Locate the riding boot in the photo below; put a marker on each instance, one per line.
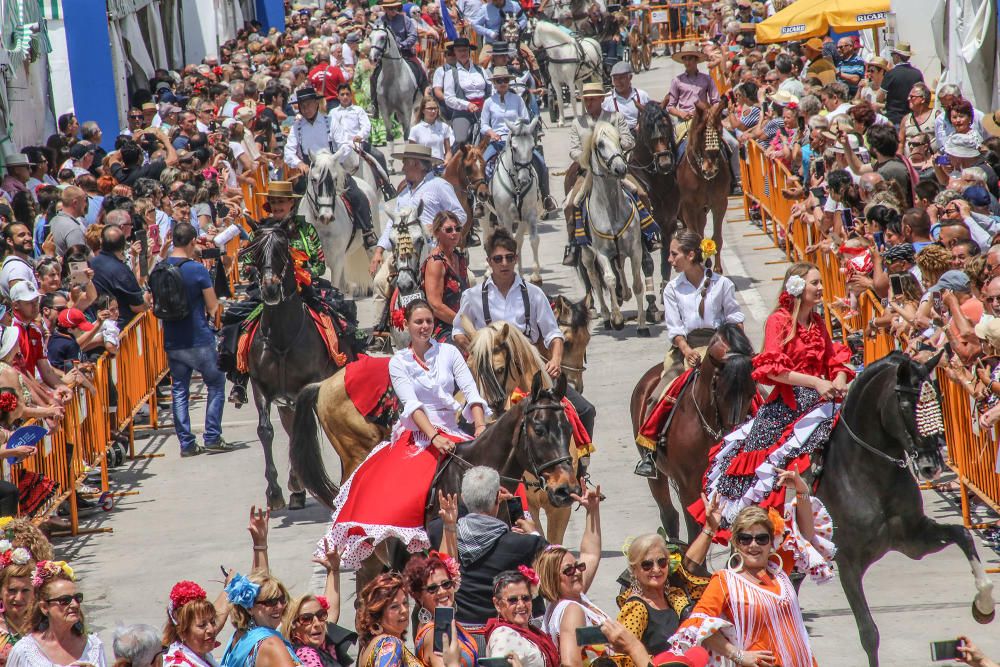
(647, 464)
(373, 87)
(238, 394)
(362, 212)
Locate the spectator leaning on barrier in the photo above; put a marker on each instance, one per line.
(113, 276)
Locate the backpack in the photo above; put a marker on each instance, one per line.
(170, 300)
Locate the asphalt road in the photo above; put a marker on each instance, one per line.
(189, 517)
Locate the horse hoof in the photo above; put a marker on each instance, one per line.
(297, 501)
(276, 502)
(643, 332)
(980, 617)
(607, 325)
(652, 314)
(536, 280)
(618, 326)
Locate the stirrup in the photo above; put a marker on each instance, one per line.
(647, 465)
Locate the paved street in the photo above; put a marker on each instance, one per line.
(190, 517)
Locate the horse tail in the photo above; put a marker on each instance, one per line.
(303, 448)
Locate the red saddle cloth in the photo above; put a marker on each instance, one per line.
(324, 325)
(367, 382)
(650, 430)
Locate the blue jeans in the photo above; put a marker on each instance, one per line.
(182, 364)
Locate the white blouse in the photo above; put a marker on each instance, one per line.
(432, 389)
(504, 641)
(681, 300)
(180, 655)
(552, 620)
(433, 136)
(28, 653)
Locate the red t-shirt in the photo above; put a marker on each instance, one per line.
(32, 344)
(326, 79)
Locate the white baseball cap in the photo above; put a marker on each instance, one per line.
(23, 291)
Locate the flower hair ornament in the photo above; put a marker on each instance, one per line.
(47, 569)
(529, 574)
(13, 556)
(8, 401)
(242, 592)
(324, 604)
(182, 593)
(795, 285)
(450, 566)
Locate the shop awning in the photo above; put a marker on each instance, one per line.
(814, 18)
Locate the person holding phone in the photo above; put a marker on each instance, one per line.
(511, 632)
(432, 581)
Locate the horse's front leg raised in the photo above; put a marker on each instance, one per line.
(612, 281)
(297, 494)
(265, 433)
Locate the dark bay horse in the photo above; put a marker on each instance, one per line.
(467, 174)
(703, 174)
(287, 351)
(715, 402)
(871, 492)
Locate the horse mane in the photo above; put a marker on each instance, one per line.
(650, 117)
(263, 243)
(705, 116)
(601, 128)
(547, 29)
(736, 373)
(524, 359)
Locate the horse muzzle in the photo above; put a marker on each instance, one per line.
(561, 485)
(270, 290)
(663, 161)
(929, 464)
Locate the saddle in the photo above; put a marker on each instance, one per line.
(367, 384)
(657, 421)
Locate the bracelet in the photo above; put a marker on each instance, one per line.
(257, 548)
(450, 529)
(708, 531)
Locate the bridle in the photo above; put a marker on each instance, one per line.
(655, 133)
(605, 163)
(261, 248)
(382, 50)
(515, 188)
(711, 143)
(318, 199)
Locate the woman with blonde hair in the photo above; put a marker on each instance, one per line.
(429, 130)
(259, 603)
(809, 373)
(307, 619)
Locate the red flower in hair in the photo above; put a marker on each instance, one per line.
(324, 604)
(786, 301)
(184, 592)
(529, 574)
(8, 401)
(398, 319)
(5, 558)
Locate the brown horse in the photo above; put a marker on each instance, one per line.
(716, 401)
(574, 322)
(466, 171)
(703, 174)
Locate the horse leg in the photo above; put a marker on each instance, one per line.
(659, 488)
(851, 575)
(610, 279)
(297, 493)
(598, 286)
(718, 217)
(639, 287)
(536, 275)
(556, 521)
(265, 433)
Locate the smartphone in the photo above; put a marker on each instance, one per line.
(942, 161)
(937, 302)
(515, 510)
(211, 253)
(948, 350)
(879, 239)
(945, 650)
(77, 272)
(443, 618)
(222, 210)
(590, 635)
(896, 283)
(820, 168)
(224, 573)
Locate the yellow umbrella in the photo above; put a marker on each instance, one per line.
(813, 18)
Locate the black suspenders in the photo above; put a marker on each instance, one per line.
(527, 307)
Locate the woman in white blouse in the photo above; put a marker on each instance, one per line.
(696, 301)
(385, 496)
(430, 131)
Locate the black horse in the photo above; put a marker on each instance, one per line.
(652, 164)
(287, 351)
(871, 492)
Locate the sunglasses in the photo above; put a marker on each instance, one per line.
(504, 259)
(445, 585)
(746, 539)
(137, 117)
(917, 144)
(647, 565)
(578, 566)
(308, 618)
(273, 602)
(514, 599)
(992, 299)
(65, 600)
(449, 230)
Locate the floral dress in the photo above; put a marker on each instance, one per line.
(455, 282)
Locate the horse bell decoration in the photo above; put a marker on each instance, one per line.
(929, 420)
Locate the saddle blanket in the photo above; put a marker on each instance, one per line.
(656, 420)
(323, 323)
(369, 388)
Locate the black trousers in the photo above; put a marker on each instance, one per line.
(584, 408)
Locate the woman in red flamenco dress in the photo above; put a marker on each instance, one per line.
(809, 373)
(385, 496)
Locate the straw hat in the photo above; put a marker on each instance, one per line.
(991, 123)
(903, 49)
(783, 98)
(279, 190)
(989, 330)
(593, 89)
(8, 341)
(689, 49)
(415, 151)
(880, 62)
(501, 73)
(390, 4)
(17, 160)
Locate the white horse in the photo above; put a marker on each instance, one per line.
(323, 208)
(614, 227)
(396, 92)
(515, 191)
(411, 245)
(572, 61)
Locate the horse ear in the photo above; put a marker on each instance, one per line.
(536, 385)
(483, 144)
(587, 302)
(932, 363)
(534, 124)
(560, 387)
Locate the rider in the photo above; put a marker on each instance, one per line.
(465, 89)
(310, 133)
(506, 296)
(604, 28)
(576, 226)
(351, 127)
(437, 80)
(505, 107)
(625, 99)
(405, 32)
(490, 22)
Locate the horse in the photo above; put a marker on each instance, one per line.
(574, 322)
(397, 92)
(571, 61)
(703, 174)
(466, 171)
(411, 246)
(515, 191)
(614, 228)
(286, 353)
(345, 253)
(717, 400)
(881, 434)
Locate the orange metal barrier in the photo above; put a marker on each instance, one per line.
(668, 32)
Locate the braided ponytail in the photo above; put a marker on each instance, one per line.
(692, 242)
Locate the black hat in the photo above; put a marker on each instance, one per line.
(501, 49)
(462, 42)
(80, 149)
(306, 93)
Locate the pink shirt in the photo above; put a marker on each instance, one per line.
(686, 90)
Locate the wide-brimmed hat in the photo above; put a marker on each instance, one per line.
(279, 189)
(415, 151)
(963, 145)
(245, 115)
(814, 43)
(462, 42)
(388, 4)
(17, 160)
(689, 49)
(783, 98)
(593, 89)
(306, 93)
(903, 49)
(8, 340)
(501, 49)
(501, 72)
(878, 61)
(991, 123)
(852, 139)
(988, 329)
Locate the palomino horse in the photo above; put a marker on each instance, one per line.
(287, 351)
(467, 174)
(324, 209)
(703, 174)
(716, 401)
(515, 191)
(572, 61)
(614, 228)
(397, 92)
(574, 322)
(503, 360)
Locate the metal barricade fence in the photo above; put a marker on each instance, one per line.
(671, 23)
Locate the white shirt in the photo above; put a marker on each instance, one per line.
(347, 123)
(15, 269)
(200, 125)
(793, 86)
(504, 641)
(306, 138)
(229, 108)
(27, 653)
(839, 111)
(346, 55)
(626, 105)
(497, 112)
(431, 389)
(509, 308)
(439, 74)
(433, 136)
(681, 300)
(437, 195)
(471, 9)
(237, 149)
(472, 81)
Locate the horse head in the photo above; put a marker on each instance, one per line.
(656, 134)
(918, 417)
(502, 360)
(728, 361)
(544, 440)
(410, 243)
(605, 157)
(473, 168)
(270, 253)
(321, 191)
(521, 144)
(705, 138)
(381, 43)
